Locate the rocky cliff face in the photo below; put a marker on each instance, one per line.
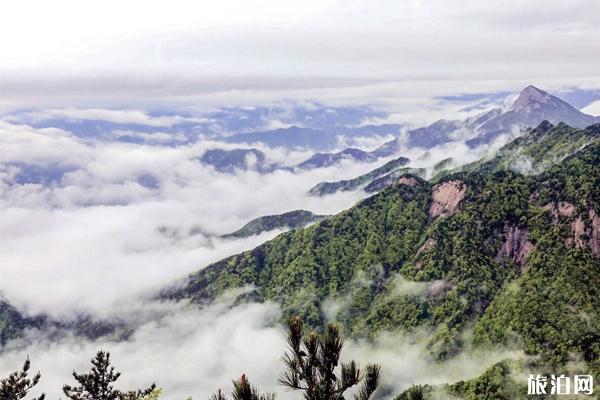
(585, 231)
(515, 247)
(561, 210)
(446, 198)
(407, 180)
(595, 233)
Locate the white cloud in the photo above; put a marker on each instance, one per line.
(593, 108)
(187, 352)
(405, 361)
(235, 52)
(95, 237)
(116, 116)
(100, 241)
(194, 352)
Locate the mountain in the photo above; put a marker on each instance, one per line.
(531, 107)
(12, 323)
(325, 188)
(295, 137)
(489, 251)
(538, 150)
(322, 160)
(291, 220)
(389, 179)
(230, 160)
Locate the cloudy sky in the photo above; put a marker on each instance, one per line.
(150, 53)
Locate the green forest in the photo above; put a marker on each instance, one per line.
(515, 259)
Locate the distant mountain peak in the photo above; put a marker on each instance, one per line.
(532, 98)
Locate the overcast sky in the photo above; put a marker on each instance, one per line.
(154, 53)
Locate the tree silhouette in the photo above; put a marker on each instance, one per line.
(97, 384)
(311, 364)
(243, 390)
(17, 385)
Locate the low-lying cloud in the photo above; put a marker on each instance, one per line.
(187, 352)
(100, 229)
(100, 226)
(193, 352)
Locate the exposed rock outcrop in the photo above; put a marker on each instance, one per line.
(446, 198)
(407, 180)
(515, 247)
(562, 209)
(594, 241)
(586, 234)
(578, 230)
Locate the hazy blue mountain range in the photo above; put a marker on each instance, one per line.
(531, 107)
(289, 220)
(175, 127)
(244, 159)
(315, 127)
(321, 139)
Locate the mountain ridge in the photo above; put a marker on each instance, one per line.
(531, 107)
(291, 220)
(466, 238)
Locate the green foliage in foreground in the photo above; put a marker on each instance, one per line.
(98, 383)
(18, 384)
(244, 390)
(311, 367)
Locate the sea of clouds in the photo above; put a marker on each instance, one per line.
(98, 227)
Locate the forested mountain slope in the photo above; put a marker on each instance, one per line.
(390, 168)
(512, 255)
(539, 149)
(289, 220)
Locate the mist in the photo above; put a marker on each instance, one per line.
(189, 351)
(124, 219)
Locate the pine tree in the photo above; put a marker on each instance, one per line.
(98, 383)
(243, 390)
(311, 365)
(17, 385)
